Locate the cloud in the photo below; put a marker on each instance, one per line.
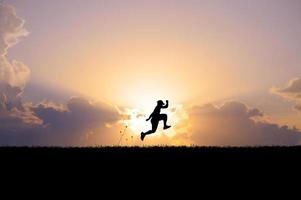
(17, 121)
(293, 87)
(233, 124)
(78, 123)
(291, 92)
(11, 106)
(77, 114)
(11, 30)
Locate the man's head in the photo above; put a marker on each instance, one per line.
(160, 103)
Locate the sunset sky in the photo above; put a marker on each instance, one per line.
(77, 72)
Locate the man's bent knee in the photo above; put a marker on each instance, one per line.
(163, 116)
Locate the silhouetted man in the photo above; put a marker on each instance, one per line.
(156, 117)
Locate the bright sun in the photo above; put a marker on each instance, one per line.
(135, 120)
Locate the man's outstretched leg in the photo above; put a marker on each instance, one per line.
(154, 128)
(164, 118)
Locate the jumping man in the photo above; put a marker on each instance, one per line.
(156, 117)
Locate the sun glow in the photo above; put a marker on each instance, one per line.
(135, 120)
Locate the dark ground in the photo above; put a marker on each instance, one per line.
(208, 166)
(164, 155)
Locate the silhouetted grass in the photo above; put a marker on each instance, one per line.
(141, 162)
(149, 154)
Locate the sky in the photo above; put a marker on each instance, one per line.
(89, 72)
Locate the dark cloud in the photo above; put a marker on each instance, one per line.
(78, 114)
(17, 121)
(234, 124)
(79, 122)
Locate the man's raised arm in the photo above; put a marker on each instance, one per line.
(166, 105)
